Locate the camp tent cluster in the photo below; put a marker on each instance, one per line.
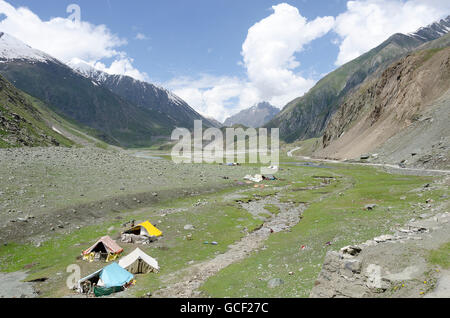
(117, 276)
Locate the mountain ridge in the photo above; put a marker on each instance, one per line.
(307, 116)
(110, 117)
(143, 94)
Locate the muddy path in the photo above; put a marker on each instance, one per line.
(13, 286)
(185, 283)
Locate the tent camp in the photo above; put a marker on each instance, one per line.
(105, 248)
(145, 228)
(111, 279)
(139, 262)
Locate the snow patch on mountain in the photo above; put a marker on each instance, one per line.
(87, 70)
(433, 31)
(14, 49)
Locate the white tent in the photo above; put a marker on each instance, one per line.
(139, 262)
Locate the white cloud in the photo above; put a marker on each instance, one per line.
(269, 58)
(270, 47)
(210, 95)
(141, 37)
(122, 66)
(65, 38)
(367, 23)
(269, 51)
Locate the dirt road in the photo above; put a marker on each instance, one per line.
(382, 165)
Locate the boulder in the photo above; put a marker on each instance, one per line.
(137, 239)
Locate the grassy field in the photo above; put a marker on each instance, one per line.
(441, 256)
(339, 219)
(335, 217)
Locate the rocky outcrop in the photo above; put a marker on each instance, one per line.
(386, 266)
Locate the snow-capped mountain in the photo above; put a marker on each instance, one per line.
(143, 94)
(255, 116)
(14, 49)
(117, 109)
(433, 31)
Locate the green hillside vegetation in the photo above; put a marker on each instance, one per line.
(22, 123)
(70, 95)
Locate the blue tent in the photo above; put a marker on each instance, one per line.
(115, 276)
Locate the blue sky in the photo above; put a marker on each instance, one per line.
(188, 37)
(219, 55)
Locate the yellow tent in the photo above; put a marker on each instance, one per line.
(145, 228)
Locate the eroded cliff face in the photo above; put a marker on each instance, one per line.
(386, 105)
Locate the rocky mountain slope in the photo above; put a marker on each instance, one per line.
(144, 95)
(110, 117)
(254, 117)
(21, 123)
(384, 106)
(308, 116)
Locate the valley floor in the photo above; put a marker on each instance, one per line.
(272, 240)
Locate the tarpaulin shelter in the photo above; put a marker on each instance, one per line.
(115, 275)
(106, 281)
(139, 262)
(145, 228)
(106, 247)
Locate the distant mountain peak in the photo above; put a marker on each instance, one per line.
(12, 48)
(255, 116)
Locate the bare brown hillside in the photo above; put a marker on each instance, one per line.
(383, 107)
